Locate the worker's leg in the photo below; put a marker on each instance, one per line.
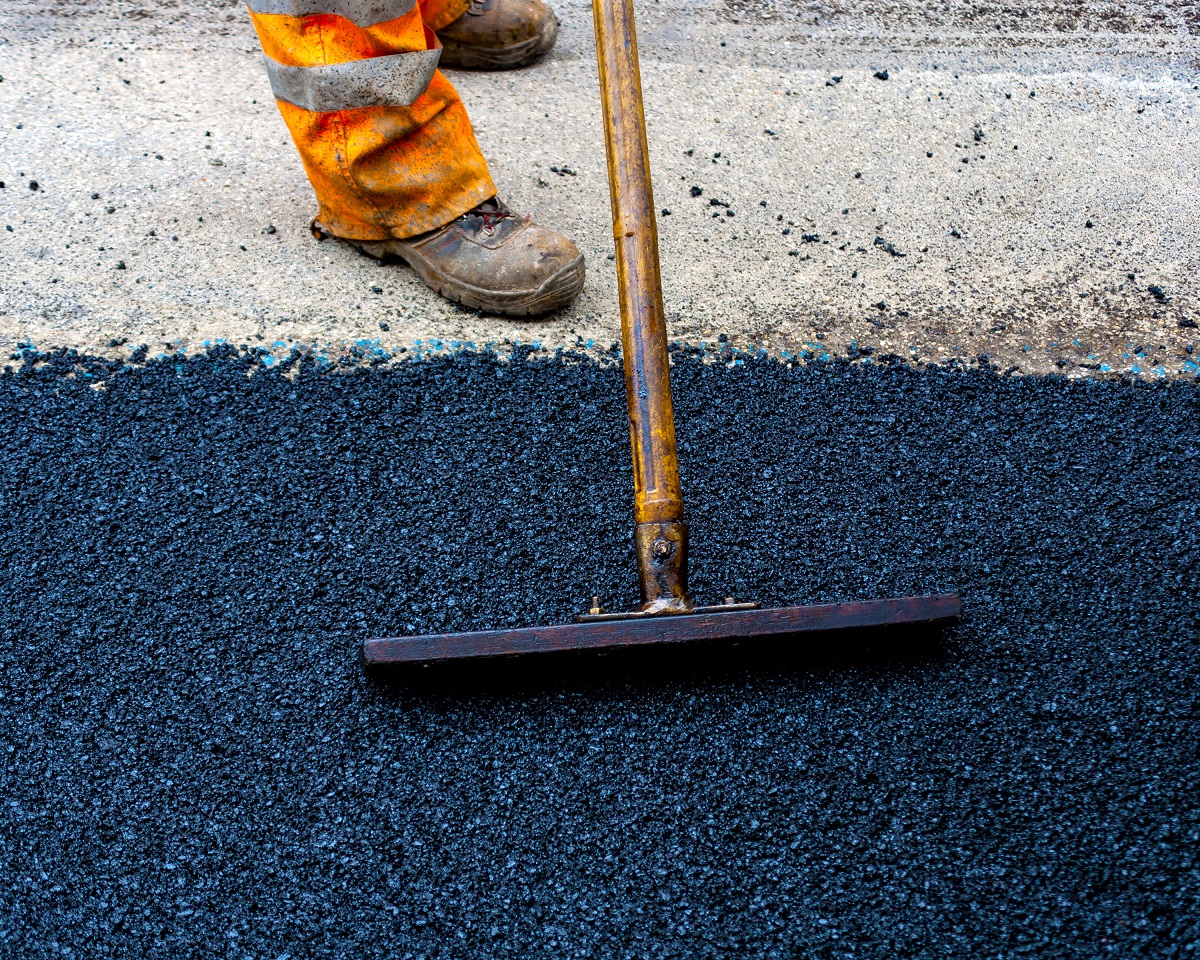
(385, 140)
(391, 155)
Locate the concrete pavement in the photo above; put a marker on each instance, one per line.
(1024, 187)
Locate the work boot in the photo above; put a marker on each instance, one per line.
(493, 260)
(498, 35)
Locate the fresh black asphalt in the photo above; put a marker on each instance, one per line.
(194, 765)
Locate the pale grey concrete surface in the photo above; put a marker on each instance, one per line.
(1064, 113)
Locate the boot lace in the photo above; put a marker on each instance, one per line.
(491, 212)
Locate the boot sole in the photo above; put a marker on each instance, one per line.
(554, 293)
(459, 56)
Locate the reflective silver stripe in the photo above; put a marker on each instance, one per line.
(362, 13)
(392, 81)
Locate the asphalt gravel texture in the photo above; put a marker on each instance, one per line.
(194, 764)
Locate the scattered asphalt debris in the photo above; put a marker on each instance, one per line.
(714, 202)
(955, 233)
(1089, 224)
(1187, 322)
(1158, 293)
(666, 212)
(120, 264)
(880, 74)
(810, 238)
(833, 81)
(888, 246)
(563, 171)
(978, 134)
(194, 764)
(384, 326)
(696, 191)
(33, 185)
(270, 228)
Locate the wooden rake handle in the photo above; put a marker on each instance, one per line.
(660, 532)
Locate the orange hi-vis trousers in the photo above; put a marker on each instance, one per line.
(384, 137)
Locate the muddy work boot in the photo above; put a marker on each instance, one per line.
(498, 35)
(493, 260)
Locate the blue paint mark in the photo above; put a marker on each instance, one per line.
(1191, 366)
(1105, 368)
(1026, 349)
(1077, 343)
(1135, 369)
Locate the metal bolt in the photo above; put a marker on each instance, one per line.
(660, 547)
(596, 608)
(729, 601)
